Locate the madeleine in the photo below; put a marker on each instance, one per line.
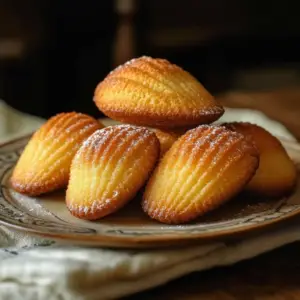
(109, 169)
(44, 165)
(166, 139)
(202, 170)
(154, 92)
(277, 173)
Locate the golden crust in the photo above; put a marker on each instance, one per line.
(44, 165)
(277, 173)
(203, 169)
(154, 92)
(109, 169)
(166, 139)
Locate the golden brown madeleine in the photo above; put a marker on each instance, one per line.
(277, 173)
(109, 169)
(202, 170)
(153, 92)
(166, 139)
(44, 165)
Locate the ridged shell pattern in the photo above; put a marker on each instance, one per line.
(203, 169)
(155, 92)
(44, 165)
(109, 169)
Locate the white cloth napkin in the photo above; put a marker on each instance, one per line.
(33, 268)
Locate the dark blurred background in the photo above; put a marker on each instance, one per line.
(53, 53)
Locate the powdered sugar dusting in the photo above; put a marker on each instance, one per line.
(155, 95)
(110, 166)
(102, 135)
(180, 191)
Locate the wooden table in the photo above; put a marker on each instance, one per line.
(274, 275)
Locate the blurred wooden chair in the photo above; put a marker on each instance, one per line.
(124, 47)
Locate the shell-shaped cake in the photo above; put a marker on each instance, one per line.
(277, 173)
(154, 92)
(109, 169)
(166, 139)
(203, 169)
(44, 165)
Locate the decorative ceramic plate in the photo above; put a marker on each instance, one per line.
(48, 216)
